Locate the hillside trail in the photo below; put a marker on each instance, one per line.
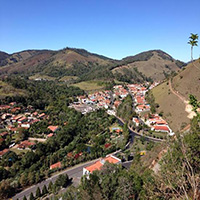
(196, 66)
(188, 107)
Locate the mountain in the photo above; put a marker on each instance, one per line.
(173, 105)
(154, 64)
(65, 62)
(8, 59)
(83, 65)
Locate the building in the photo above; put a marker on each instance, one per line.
(56, 165)
(99, 164)
(53, 128)
(25, 144)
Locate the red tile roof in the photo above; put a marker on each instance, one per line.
(98, 165)
(50, 135)
(53, 128)
(25, 144)
(4, 152)
(4, 134)
(56, 165)
(161, 128)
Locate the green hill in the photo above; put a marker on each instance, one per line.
(71, 62)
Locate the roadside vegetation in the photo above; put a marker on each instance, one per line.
(177, 177)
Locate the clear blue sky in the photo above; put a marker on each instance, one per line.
(114, 28)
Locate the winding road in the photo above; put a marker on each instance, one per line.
(75, 172)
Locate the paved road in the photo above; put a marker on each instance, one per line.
(133, 133)
(75, 172)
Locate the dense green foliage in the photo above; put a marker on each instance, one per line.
(194, 102)
(33, 166)
(41, 93)
(125, 109)
(151, 100)
(76, 131)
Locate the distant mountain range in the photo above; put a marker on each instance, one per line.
(83, 65)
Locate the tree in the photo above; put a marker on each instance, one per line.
(44, 190)
(50, 186)
(193, 41)
(31, 196)
(180, 172)
(38, 193)
(62, 180)
(24, 198)
(6, 190)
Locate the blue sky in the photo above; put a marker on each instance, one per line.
(113, 28)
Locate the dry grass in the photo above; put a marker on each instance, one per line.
(173, 108)
(153, 68)
(188, 81)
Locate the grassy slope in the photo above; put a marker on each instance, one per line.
(89, 85)
(153, 67)
(173, 108)
(8, 90)
(188, 81)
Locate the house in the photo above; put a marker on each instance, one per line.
(116, 104)
(22, 119)
(53, 128)
(136, 121)
(50, 135)
(99, 164)
(41, 116)
(56, 165)
(3, 134)
(4, 107)
(4, 152)
(1, 140)
(25, 144)
(25, 125)
(141, 108)
(164, 129)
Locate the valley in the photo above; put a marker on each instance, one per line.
(63, 112)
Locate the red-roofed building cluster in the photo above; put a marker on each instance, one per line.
(15, 117)
(99, 164)
(158, 124)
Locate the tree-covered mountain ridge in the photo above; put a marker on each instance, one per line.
(79, 63)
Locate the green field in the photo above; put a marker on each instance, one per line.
(8, 90)
(68, 78)
(89, 86)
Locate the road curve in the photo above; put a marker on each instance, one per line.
(72, 173)
(133, 133)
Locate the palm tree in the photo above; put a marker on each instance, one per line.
(193, 41)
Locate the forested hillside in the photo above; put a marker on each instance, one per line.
(83, 65)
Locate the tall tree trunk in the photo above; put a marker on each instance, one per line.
(192, 54)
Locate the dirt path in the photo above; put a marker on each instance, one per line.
(37, 139)
(188, 107)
